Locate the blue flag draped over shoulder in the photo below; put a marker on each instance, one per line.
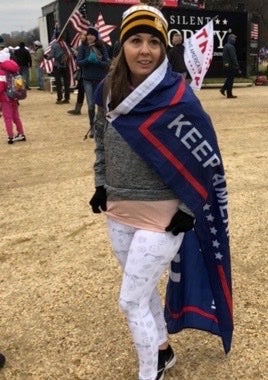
(164, 122)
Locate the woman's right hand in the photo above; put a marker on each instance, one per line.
(98, 201)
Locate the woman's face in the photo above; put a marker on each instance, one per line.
(142, 52)
(91, 39)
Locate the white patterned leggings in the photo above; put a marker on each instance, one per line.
(143, 256)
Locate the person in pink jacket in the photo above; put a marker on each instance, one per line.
(10, 107)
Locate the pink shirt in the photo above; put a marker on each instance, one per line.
(148, 215)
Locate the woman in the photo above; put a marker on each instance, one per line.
(140, 183)
(80, 85)
(93, 59)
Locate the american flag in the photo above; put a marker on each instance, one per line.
(254, 31)
(47, 64)
(104, 29)
(198, 184)
(79, 23)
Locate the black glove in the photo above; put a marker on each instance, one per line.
(98, 201)
(180, 222)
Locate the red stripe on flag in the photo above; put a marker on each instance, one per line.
(104, 30)
(47, 64)
(144, 129)
(192, 309)
(76, 41)
(254, 33)
(79, 23)
(226, 289)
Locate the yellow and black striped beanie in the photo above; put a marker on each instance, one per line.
(143, 19)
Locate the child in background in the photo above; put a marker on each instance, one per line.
(10, 108)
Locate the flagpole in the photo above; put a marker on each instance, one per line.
(78, 5)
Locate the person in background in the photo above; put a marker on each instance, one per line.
(94, 61)
(176, 55)
(61, 54)
(37, 58)
(80, 84)
(23, 58)
(10, 108)
(230, 66)
(140, 178)
(2, 45)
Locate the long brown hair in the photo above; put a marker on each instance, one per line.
(119, 77)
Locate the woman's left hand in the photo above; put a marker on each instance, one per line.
(180, 222)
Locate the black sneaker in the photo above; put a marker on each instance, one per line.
(65, 101)
(10, 140)
(222, 91)
(19, 137)
(59, 101)
(166, 360)
(2, 360)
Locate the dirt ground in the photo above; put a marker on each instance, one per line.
(59, 283)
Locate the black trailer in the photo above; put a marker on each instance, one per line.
(187, 21)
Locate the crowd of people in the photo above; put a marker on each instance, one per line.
(92, 59)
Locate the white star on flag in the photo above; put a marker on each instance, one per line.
(213, 231)
(218, 255)
(215, 243)
(104, 29)
(210, 218)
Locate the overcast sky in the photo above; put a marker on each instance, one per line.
(20, 15)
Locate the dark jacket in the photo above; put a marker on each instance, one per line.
(23, 57)
(60, 54)
(229, 56)
(176, 58)
(93, 71)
